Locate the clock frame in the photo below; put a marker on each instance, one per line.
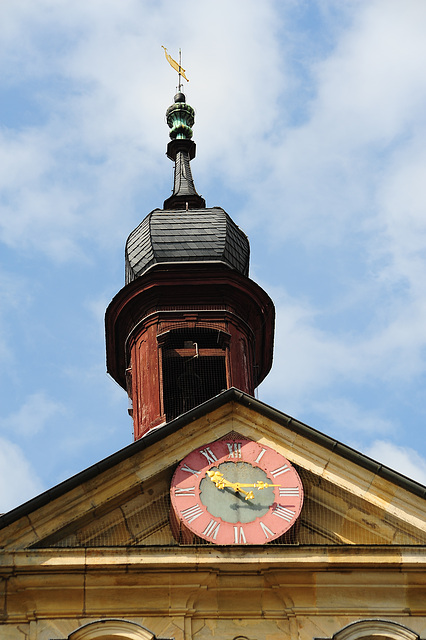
(234, 491)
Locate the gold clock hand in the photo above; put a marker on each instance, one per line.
(249, 495)
(221, 482)
(264, 485)
(217, 478)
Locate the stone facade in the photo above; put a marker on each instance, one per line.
(94, 558)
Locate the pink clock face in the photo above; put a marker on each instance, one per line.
(236, 492)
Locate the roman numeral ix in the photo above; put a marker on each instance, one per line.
(185, 491)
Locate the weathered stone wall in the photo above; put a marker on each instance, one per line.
(205, 593)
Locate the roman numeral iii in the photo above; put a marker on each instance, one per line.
(288, 491)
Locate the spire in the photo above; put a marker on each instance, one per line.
(189, 323)
(181, 149)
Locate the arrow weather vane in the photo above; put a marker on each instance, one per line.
(176, 66)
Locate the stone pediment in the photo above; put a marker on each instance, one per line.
(124, 500)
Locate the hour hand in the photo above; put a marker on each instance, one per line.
(217, 478)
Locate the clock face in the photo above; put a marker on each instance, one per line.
(236, 492)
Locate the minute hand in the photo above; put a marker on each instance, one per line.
(221, 483)
(257, 485)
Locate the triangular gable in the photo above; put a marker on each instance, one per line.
(124, 501)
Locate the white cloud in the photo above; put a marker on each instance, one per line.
(369, 98)
(18, 480)
(33, 415)
(344, 417)
(67, 173)
(309, 360)
(305, 357)
(96, 144)
(401, 200)
(403, 459)
(373, 80)
(102, 99)
(15, 295)
(350, 177)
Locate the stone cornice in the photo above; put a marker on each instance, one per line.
(306, 559)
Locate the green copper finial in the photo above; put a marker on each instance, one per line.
(181, 149)
(180, 118)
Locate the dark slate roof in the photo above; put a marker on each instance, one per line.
(196, 235)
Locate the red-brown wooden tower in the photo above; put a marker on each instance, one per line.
(189, 323)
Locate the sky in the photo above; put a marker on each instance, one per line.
(311, 133)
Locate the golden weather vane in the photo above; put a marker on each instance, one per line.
(176, 65)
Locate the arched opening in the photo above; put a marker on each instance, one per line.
(375, 630)
(111, 629)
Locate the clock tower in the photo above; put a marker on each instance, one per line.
(189, 322)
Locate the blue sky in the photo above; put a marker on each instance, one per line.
(311, 133)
